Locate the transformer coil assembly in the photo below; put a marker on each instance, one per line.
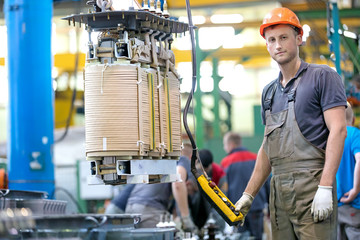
(132, 96)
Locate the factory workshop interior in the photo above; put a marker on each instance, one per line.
(103, 101)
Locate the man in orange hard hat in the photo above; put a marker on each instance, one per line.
(304, 115)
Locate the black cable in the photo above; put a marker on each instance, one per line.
(73, 97)
(80, 210)
(187, 105)
(68, 120)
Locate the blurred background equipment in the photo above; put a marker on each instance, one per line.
(42, 143)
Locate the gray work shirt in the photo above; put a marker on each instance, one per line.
(320, 89)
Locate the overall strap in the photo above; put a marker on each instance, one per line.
(292, 93)
(269, 96)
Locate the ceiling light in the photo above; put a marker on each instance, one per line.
(306, 28)
(228, 18)
(237, 41)
(350, 34)
(195, 19)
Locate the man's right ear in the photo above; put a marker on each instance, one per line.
(299, 39)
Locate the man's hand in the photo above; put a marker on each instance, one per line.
(243, 205)
(349, 196)
(322, 205)
(187, 224)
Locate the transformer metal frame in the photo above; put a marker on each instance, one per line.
(123, 35)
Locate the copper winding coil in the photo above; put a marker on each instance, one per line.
(118, 111)
(111, 108)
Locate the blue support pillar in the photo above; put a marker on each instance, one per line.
(334, 23)
(30, 125)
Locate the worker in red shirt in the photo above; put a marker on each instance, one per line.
(238, 165)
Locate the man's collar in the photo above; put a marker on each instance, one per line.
(238, 149)
(303, 67)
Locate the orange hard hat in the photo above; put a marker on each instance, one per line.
(280, 16)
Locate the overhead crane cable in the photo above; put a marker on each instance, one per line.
(208, 188)
(195, 154)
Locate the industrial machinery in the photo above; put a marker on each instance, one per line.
(132, 95)
(37, 202)
(132, 100)
(23, 224)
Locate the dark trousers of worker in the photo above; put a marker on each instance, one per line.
(254, 223)
(348, 223)
(297, 167)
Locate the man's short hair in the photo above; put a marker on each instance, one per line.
(296, 29)
(206, 157)
(233, 137)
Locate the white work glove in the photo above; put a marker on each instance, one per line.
(243, 205)
(187, 224)
(322, 205)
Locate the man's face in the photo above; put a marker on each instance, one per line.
(282, 43)
(226, 146)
